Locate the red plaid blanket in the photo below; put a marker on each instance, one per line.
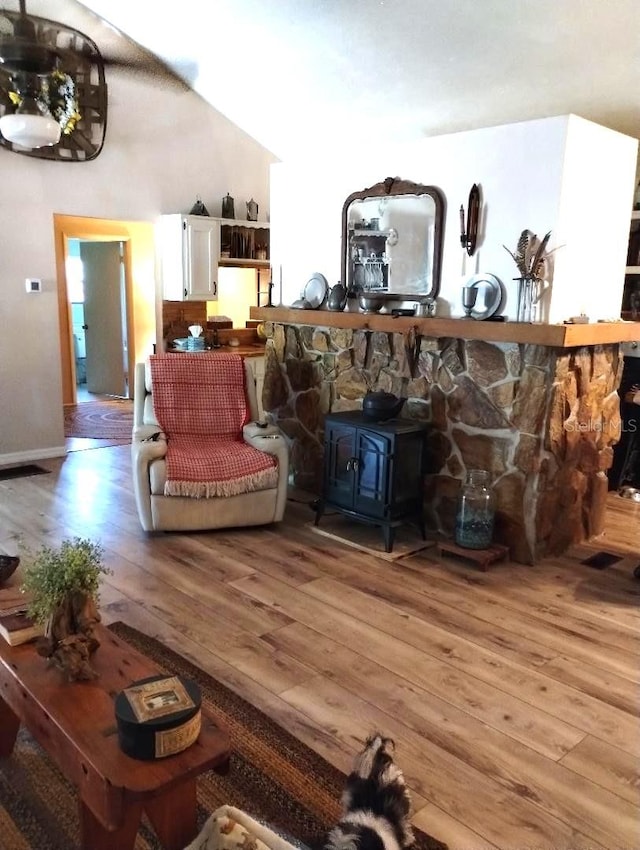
(200, 403)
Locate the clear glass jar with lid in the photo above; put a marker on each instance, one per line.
(476, 511)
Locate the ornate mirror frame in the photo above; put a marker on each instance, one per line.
(397, 188)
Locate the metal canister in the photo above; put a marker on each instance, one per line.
(228, 207)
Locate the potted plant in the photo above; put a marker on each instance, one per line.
(63, 586)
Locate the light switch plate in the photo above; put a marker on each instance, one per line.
(33, 284)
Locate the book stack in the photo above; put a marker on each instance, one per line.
(16, 626)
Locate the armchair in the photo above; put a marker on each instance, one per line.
(231, 472)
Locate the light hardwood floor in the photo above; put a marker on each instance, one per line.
(512, 694)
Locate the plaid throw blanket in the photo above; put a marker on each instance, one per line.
(200, 403)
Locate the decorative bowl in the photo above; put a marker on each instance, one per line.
(8, 566)
(370, 303)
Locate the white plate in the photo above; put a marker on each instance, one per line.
(315, 290)
(490, 293)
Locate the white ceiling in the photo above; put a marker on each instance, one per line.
(307, 76)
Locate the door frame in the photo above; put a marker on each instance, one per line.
(97, 230)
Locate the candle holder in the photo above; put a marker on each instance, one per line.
(469, 298)
(469, 229)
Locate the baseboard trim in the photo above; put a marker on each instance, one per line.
(32, 455)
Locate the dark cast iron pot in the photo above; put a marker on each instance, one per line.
(381, 405)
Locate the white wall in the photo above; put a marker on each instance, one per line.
(593, 221)
(536, 174)
(163, 147)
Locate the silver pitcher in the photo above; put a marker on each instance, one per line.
(426, 307)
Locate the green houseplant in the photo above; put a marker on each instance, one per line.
(63, 584)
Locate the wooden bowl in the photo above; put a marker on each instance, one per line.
(8, 566)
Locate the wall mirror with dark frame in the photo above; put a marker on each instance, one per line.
(392, 236)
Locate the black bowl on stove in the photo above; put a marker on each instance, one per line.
(380, 406)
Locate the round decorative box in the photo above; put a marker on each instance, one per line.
(158, 716)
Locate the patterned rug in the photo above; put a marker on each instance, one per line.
(272, 775)
(111, 419)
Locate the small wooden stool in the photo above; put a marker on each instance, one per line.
(481, 557)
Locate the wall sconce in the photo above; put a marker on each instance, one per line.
(469, 229)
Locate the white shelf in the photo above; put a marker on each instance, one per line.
(635, 215)
(237, 222)
(243, 262)
(632, 270)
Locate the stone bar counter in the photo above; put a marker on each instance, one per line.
(535, 405)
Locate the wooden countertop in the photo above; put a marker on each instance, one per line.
(251, 350)
(556, 336)
(247, 350)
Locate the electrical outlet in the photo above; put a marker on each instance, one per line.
(33, 284)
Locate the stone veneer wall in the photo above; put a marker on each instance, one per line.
(541, 420)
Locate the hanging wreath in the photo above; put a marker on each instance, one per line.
(58, 95)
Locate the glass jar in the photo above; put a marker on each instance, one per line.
(476, 511)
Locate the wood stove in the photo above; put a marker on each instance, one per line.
(373, 471)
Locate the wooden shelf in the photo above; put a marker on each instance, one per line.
(556, 336)
(242, 263)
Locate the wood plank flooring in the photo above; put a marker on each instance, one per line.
(512, 694)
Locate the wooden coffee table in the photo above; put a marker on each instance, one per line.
(75, 723)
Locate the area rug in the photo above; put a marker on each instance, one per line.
(22, 471)
(369, 538)
(111, 419)
(272, 775)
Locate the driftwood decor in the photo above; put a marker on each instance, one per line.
(63, 584)
(70, 638)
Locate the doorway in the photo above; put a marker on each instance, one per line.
(98, 304)
(102, 250)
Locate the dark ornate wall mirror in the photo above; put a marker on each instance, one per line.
(392, 236)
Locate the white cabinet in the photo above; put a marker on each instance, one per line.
(191, 247)
(189, 254)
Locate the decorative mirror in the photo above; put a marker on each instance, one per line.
(392, 237)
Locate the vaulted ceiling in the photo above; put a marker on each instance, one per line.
(314, 76)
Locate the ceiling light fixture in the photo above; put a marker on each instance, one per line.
(29, 126)
(32, 125)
